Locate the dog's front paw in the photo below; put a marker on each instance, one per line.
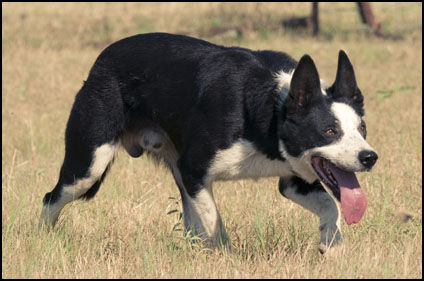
(330, 237)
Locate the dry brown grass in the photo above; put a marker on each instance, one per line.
(47, 51)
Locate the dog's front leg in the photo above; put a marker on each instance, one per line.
(201, 215)
(316, 199)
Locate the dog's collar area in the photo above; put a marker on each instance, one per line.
(283, 95)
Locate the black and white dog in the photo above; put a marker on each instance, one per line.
(219, 113)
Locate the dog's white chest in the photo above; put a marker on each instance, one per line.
(243, 160)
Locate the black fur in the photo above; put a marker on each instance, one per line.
(204, 96)
(188, 102)
(306, 110)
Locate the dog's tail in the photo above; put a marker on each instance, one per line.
(92, 137)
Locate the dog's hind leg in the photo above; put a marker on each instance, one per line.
(315, 198)
(91, 141)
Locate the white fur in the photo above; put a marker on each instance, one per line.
(284, 80)
(201, 214)
(205, 216)
(243, 160)
(301, 165)
(344, 153)
(103, 155)
(322, 204)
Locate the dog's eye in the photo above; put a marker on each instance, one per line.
(330, 132)
(363, 129)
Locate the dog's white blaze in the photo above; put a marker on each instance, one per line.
(344, 152)
(243, 160)
(103, 155)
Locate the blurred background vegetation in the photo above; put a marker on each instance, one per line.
(99, 24)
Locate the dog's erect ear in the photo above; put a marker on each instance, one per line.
(304, 86)
(345, 83)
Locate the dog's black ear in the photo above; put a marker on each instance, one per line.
(345, 83)
(305, 85)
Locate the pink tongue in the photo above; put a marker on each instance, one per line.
(352, 197)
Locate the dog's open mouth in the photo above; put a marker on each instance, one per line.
(344, 186)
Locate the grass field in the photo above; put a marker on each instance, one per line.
(126, 231)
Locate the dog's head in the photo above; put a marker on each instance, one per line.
(323, 134)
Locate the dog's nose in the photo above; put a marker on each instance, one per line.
(368, 158)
